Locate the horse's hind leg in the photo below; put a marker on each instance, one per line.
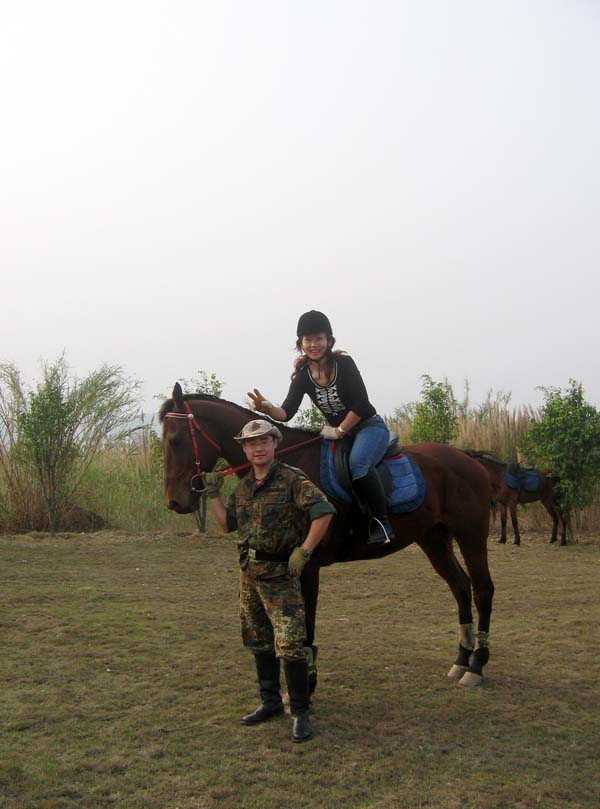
(558, 519)
(502, 523)
(563, 527)
(437, 544)
(474, 552)
(554, 517)
(515, 523)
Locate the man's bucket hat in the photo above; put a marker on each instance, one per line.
(258, 427)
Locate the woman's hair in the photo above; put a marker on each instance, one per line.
(303, 360)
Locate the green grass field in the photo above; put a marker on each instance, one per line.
(123, 679)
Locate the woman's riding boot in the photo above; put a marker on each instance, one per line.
(371, 490)
(296, 677)
(267, 669)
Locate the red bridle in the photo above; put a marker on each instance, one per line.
(195, 427)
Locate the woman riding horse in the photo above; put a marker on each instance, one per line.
(335, 385)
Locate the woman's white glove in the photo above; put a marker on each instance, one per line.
(258, 402)
(329, 433)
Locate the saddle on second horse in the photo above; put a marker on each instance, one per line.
(522, 477)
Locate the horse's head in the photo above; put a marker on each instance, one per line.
(199, 429)
(188, 449)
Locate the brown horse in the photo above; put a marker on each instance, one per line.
(456, 505)
(507, 498)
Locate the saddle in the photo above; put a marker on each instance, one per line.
(400, 475)
(522, 477)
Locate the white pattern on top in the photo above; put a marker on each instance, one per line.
(328, 399)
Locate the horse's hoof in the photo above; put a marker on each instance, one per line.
(469, 678)
(456, 672)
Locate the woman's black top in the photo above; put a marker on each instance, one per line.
(345, 392)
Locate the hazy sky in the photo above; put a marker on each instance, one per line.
(179, 181)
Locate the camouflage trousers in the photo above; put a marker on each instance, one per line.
(272, 615)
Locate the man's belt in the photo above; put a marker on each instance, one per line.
(265, 556)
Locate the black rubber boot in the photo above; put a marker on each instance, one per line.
(370, 489)
(296, 677)
(267, 669)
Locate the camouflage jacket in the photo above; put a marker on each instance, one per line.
(274, 515)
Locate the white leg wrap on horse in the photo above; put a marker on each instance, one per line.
(467, 641)
(466, 637)
(483, 639)
(471, 677)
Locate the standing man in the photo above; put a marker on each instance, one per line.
(280, 517)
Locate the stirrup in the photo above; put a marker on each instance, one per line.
(380, 536)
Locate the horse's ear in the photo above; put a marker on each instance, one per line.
(178, 395)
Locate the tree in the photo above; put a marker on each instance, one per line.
(566, 441)
(64, 422)
(310, 418)
(436, 414)
(17, 501)
(203, 382)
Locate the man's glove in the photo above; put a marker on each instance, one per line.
(258, 401)
(213, 481)
(329, 433)
(297, 561)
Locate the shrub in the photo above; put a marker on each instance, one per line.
(62, 424)
(566, 441)
(436, 414)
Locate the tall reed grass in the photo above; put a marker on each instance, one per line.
(123, 487)
(500, 428)
(493, 426)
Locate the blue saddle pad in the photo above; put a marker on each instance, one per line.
(330, 482)
(528, 479)
(407, 489)
(408, 483)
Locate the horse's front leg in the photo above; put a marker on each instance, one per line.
(310, 592)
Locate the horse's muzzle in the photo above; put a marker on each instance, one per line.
(175, 505)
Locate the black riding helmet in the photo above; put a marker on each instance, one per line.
(314, 322)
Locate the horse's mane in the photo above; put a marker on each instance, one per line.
(168, 406)
(485, 455)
